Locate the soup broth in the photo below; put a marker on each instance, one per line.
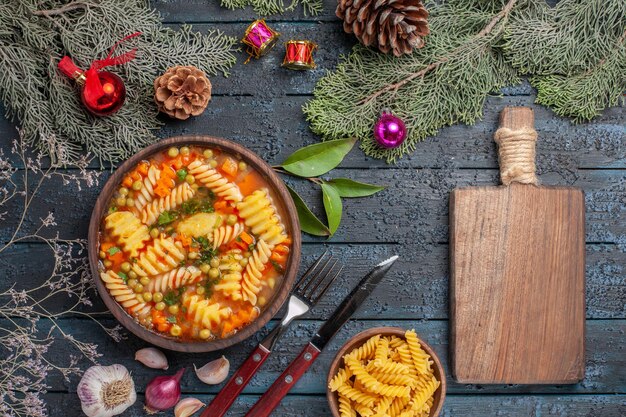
(192, 245)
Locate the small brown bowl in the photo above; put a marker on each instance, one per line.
(360, 339)
(291, 224)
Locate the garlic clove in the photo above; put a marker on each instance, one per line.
(152, 358)
(187, 407)
(213, 372)
(106, 391)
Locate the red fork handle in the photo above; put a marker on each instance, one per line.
(273, 396)
(226, 397)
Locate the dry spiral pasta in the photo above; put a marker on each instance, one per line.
(174, 279)
(345, 407)
(378, 386)
(260, 215)
(231, 274)
(225, 234)
(179, 195)
(421, 360)
(366, 351)
(162, 256)
(123, 294)
(128, 231)
(214, 181)
(252, 277)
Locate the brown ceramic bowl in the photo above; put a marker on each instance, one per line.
(359, 340)
(291, 224)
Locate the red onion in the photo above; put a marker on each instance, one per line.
(163, 392)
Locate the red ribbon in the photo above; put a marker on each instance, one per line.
(93, 87)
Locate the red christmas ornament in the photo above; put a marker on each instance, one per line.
(102, 92)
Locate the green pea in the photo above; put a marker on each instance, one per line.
(200, 290)
(147, 296)
(172, 152)
(243, 166)
(137, 185)
(121, 201)
(205, 334)
(140, 298)
(207, 153)
(157, 297)
(123, 191)
(184, 150)
(107, 263)
(102, 254)
(243, 262)
(214, 262)
(159, 306)
(231, 219)
(214, 273)
(130, 202)
(125, 266)
(132, 274)
(212, 163)
(138, 288)
(190, 179)
(205, 268)
(144, 280)
(154, 233)
(173, 309)
(176, 330)
(132, 282)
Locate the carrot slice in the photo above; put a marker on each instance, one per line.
(281, 249)
(142, 168)
(229, 166)
(249, 240)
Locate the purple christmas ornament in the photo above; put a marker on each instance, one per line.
(389, 130)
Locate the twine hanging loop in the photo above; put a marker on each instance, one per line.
(516, 155)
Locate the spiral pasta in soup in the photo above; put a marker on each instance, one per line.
(192, 244)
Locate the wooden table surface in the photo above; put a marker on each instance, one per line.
(259, 105)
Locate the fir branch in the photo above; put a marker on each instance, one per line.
(271, 7)
(35, 34)
(444, 83)
(575, 53)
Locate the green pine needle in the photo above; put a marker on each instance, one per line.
(271, 7)
(34, 36)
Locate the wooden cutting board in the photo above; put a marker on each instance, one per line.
(517, 281)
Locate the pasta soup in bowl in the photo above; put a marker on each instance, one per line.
(194, 243)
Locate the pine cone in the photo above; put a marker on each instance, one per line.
(182, 92)
(389, 25)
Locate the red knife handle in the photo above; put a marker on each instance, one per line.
(273, 396)
(226, 397)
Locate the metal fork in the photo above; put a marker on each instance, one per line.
(305, 294)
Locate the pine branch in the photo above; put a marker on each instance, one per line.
(271, 7)
(444, 83)
(35, 34)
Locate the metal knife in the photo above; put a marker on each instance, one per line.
(273, 396)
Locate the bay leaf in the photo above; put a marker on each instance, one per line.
(351, 189)
(309, 222)
(333, 206)
(318, 159)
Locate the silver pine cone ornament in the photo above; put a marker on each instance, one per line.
(182, 91)
(397, 26)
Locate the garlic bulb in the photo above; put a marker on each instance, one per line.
(213, 372)
(152, 358)
(106, 391)
(187, 407)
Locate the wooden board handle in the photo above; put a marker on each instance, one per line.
(516, 139)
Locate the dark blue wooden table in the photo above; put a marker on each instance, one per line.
(259, 105)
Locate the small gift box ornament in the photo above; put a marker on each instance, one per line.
(259, 38)
(299, 55)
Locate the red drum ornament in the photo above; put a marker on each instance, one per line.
(299, 55)
(389, 130)
(102, 92)
(259, 38)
